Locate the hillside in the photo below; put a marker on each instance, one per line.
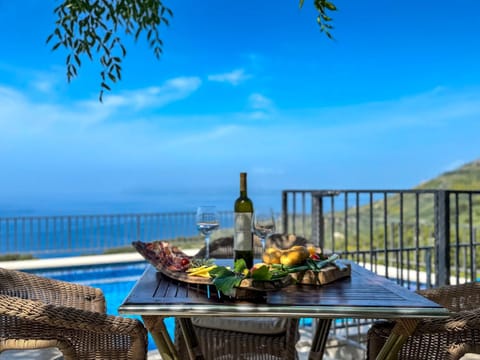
(406, 210)
(413, 213)
(466, 177)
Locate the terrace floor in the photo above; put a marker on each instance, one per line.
(333, 352)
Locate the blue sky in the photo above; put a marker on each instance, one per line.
(243, 86)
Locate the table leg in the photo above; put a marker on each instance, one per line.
(320, 339)
(158, 330)
(401, 331)
(191, 341)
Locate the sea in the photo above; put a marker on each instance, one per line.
(57, 226)
(147, 202)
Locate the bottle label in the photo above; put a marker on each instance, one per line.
(243, 232)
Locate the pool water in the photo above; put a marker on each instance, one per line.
(115, 280)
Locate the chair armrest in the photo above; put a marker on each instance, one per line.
(436, 337)
(455, 297)
(75, 331)
(457, 322)
(56, 292)
(64, 317)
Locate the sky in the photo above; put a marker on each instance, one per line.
(249, 86)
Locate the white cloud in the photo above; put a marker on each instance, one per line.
(234, 77)
(155, 96)
(259, 101)
(262, 107)
(59, 143)
(43, 86)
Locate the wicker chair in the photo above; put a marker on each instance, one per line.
(438, 338)
(240, 338)
(37, 312)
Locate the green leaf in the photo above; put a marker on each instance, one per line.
(112, 77)
(225, 280)
(220, 271)
(87, 26)
(77, 60)
(239, 266)
(225, 284)
(105, 86)
(262, 273)
(55, 47)
(330, 6)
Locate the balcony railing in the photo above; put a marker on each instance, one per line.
(50, 236)
(420, 237)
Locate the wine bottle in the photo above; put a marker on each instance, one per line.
(243, 237)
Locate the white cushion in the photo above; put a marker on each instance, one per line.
(470, 356)
(251, 325)
(37, 354)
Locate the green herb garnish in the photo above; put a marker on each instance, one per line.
(225, 279)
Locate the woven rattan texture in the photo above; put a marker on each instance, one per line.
(37, 312)
(438, 338)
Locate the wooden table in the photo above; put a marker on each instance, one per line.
(363, 295)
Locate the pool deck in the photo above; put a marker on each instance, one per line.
(50, 263)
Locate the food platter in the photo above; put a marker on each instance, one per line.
(153, 253)
(173, 263)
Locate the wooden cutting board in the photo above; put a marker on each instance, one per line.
(324, 276)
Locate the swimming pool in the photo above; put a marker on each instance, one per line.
(115, 280)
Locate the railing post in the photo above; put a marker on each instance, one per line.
(69, 232)
(138, 228)
(442, 237)
(428, 267)
(318, 233)
(285, 212)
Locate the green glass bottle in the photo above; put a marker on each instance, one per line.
(243, 237)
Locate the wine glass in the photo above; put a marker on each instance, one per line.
(263, 225)
(207, 221)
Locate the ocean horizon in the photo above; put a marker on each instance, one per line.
(146, 202)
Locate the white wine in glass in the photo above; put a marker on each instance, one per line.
(263, 225)
(207, 221)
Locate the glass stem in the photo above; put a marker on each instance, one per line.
(262, 240)
(207, 246)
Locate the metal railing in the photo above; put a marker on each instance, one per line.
(418, 238)
(431, 233)
(48, 236)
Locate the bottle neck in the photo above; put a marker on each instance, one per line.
(243, 185)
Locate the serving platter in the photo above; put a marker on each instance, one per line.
(153, 253)
(323, 276)
(167, 260)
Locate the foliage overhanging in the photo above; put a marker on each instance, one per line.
(87, 27)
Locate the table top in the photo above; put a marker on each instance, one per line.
(363, 295)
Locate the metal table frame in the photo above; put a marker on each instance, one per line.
(363, 295)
